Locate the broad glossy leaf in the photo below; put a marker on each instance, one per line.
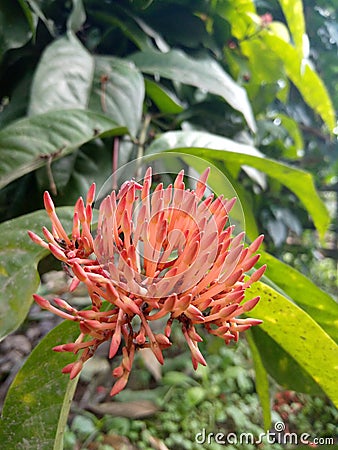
(19, 258)
(63, 77)
(281, 366)
(298, 335)
(15, 31)
(166, 101)
(304, 77)
(204, 73)
(118, 91)
(37, 404)
(317, 303)
(25, 144)
(293, 12)
(216, 148)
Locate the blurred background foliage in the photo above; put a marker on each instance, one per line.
(88, 85)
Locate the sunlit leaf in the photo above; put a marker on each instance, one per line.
(317, 303)
(281, 366)
(298, 335)
(304, 77)
(293, 12)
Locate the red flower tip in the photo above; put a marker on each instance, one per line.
(91, 194)
(48, 202)
(41, 301)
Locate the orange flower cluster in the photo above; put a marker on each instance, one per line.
(161, 253)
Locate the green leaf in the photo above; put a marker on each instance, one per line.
(262, 382)
(63, 78)
(204, 73)
(298, 335)
(281, 366)
(216, 148)
(19, 258)
(166, 101)
(77, 17)
(26, 144)
(15, 31)
(118, 91)
(265, 80)
(293, 12)
(317, 303)
(307, 81)
(37, 404)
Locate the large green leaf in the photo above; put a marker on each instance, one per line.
(118, 91)
(304, 77)
(298, 335)
(26, 144)
(317, 303)
(216, 148)
(63, 77)
(37, 404)
(19, 258)
(204, 73)
(281, 366)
